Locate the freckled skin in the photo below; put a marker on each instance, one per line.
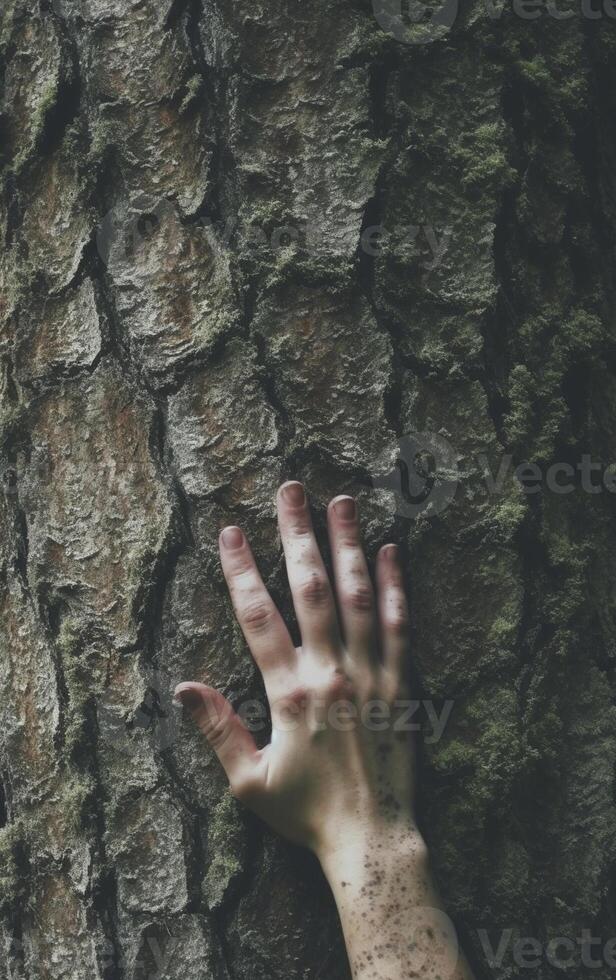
(334, 778)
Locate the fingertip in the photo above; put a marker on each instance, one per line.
(292, 493)
(343, 507)
(190, 694)
(231, 538)
(389, 553)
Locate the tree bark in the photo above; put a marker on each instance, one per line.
(248, 242)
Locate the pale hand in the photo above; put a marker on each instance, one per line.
(337, 775)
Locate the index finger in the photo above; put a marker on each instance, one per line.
(261, 623)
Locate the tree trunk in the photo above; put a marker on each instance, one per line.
(247, 242)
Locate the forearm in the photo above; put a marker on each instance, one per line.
(393, 921)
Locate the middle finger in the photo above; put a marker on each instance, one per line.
(310, 586)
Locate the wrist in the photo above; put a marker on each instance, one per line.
(344, 852)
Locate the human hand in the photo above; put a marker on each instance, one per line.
(336, 769)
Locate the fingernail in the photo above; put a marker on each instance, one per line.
(345, 508)
(232, 538)
(390, 552)
(188, 698)
(293, 493)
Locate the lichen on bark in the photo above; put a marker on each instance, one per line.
(192, 309)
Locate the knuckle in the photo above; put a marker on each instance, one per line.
(359, 597)
(297, 696)
(245, 789)
(397, 622)
(395, 613)
(349, 541)
(216, 731)
(241, 572)
(366, 681)
(290, 707)
(333, 687)
(390, 686)
(300, 529)
(314, 591)
(256, 616)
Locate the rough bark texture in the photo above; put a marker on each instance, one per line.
(187, 317)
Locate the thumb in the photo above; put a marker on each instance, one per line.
(222, 726)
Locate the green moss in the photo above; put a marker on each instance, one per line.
(482, 156)
(539, 418)
(456, 755)
(536, 72)
(485, 751)
(82, 653)
(509, 516)
(581, 332)
(194, 93)
(7, 24)
(78, 795)
(46, 102)
(503, 631)
(227, 845)
(14, 849)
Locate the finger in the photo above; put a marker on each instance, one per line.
(393, 613)
(224, 730)
(313, 598)
(260, 620)
(353, 586)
